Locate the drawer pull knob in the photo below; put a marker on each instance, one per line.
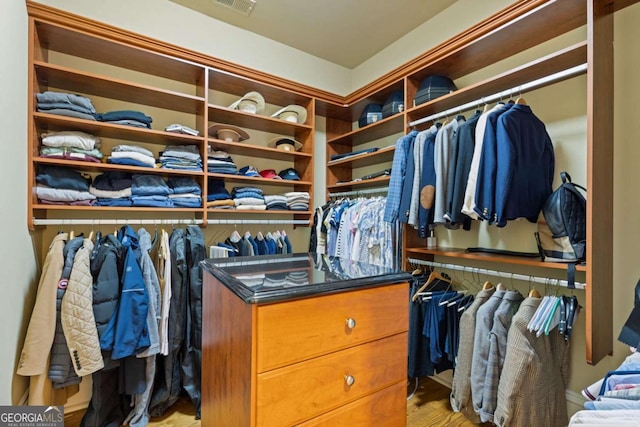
(349, 380)
(351, 323)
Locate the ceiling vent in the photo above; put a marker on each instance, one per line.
(243, 6)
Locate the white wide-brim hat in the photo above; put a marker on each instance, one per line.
(251, 102)
(292, 113)
(227, 132)
(283, 143)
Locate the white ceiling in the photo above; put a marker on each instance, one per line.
(345, 32)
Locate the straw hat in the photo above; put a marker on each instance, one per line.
(251, 102)
(283, 143)
(292, 113)
(228, 133)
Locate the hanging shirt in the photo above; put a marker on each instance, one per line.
(398, 168)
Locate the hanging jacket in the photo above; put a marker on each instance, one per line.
(192, 348)
(152, 285)
(61, 370)
(167, 385)
(37, 343)
(34, 358)
(106, 267)
(78, 322)
(106, 407)
(131, 333)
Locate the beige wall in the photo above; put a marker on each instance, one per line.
(17, 260)
(156, 19)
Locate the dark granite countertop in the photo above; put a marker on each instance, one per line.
(271, 278)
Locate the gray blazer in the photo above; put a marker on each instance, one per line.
(461, 386)
(481, 343)
(531, 391)
(497, 350)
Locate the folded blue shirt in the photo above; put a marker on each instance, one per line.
(149, 185)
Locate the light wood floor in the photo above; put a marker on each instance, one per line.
(429, 407)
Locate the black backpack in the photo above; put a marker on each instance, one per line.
(563, 235)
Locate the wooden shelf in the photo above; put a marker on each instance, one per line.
(114, 208)
(103, 167)
(380, 181)
(543, 21)
(246, 148)
(58, 77)
(542, 67)
(385, 127)
(218, 114)
(257, 212)
(380, 156)
(502, 259)
(237, 85)
(260, 181)
(53, 122)
(109, 51)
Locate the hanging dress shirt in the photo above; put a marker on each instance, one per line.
(398, 168)
(441, 159)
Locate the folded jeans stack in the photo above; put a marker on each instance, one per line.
(151, 191)
(186, 193)
(66, 104)
(112, 188)
(126, 117)
(220, 162)
(182, 157)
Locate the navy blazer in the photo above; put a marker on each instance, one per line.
(525, 165)
(486, 181)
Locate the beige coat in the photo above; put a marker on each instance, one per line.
(34, 359)
(78, 322)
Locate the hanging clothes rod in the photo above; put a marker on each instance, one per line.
(496, 273)
(561, 75)
(168, 221)
(258, 221)
(38, 221)
(380, 190)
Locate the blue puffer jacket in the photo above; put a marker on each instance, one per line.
(131, 332)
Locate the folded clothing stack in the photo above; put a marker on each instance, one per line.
(126, 117)
(220, 162)
(186, 193)
(178, 128)
(65, 104)
(298, 200)
(217, 195)
(248, 198)
(112, 188)
(132, 155)
(183, 157)
(150, 190)
(58, 185)
(276, 202)
(71, 145)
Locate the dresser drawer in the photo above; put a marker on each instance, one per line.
(386, 408)
(297, 330)
(304, 390)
